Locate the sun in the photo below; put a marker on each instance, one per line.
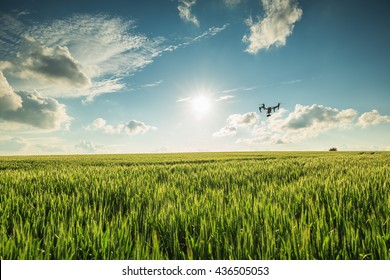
(201, 105)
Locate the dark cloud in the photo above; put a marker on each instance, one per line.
(38, 111)
(54, 64)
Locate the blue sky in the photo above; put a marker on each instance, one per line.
(189, 75)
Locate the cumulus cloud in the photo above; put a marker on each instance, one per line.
(318, 117)
(185, 11)
(50, 64)
(244, 120)
(303, 123)
(9, 101)
(226, 131)
(133, 127)
(236, 121)
(38, 111)
(31, 108)
(86, 146)
(372, 118)
(274, 28)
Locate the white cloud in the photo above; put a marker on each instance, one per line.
(224, 97)
(9, 101)
(236, 121)
(318, 117)
(283, 127)
(152, 84)
(303, 123)
(31, 108)
(133, 127)
(372, 118)
(277, 24)
(83, 55)
(232, 3)
(102, 87)
(185, 99)
(212, 31)
(98, 52)
(137, 127)
(244, 120)
(185, 11)
(103, 44)
(238, 89)
(86, 146)
(226, 131)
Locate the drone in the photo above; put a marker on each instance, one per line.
(268, 109)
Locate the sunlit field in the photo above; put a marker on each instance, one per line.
(276, 205)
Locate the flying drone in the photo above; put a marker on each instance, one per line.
(269, 109)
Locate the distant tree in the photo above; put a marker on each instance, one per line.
(333, 149)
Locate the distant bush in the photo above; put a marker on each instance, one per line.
(333, 149)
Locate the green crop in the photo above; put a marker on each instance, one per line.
(196, 206)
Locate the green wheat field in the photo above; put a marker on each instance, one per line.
(197, 206)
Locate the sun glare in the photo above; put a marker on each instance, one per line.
(201, 105)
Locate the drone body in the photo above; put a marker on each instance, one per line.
(269, 109)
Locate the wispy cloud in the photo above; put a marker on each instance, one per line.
(277, 24)
(185, 13)
(152, 84)
(292, 82)
(239, 89)
(224, 97)
(232, 3)
(82, 55)
(11, 30)
(186, 99)
(104, 86)
(133, 127)
(210, 32)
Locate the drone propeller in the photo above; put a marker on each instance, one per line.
(262, 107)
